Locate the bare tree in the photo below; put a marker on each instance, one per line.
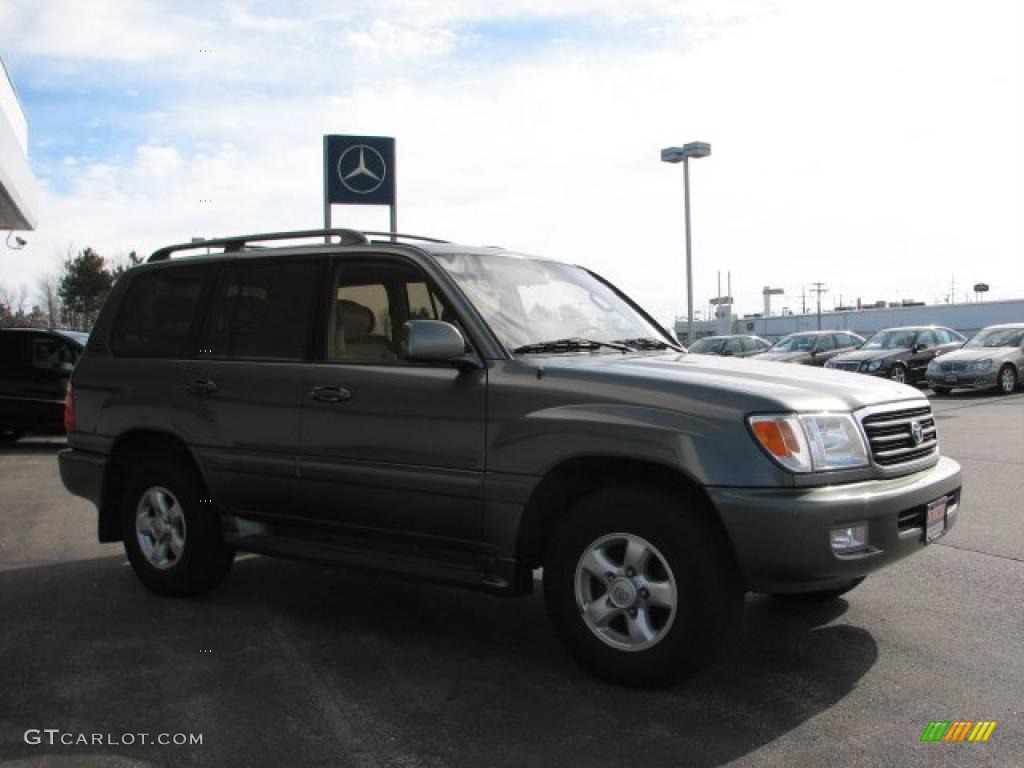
(12, 304)
(49, 299)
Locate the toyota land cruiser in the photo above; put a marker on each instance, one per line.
(469, 415)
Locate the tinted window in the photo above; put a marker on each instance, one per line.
(926, 338)
(825, 343)
(733, 346)
(261, 310)
(749, 345)
(14, 350)
(846, 340)
(158, 315)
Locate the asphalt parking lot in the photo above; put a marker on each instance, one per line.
(290, 664)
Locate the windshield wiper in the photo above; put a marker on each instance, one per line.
(645, 343)
(568, 345)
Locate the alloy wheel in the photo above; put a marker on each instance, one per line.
(626, 592)
(160, 528)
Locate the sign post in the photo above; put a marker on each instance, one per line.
(360, 170)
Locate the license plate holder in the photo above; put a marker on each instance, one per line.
(935, 519)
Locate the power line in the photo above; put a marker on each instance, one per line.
(819, 288)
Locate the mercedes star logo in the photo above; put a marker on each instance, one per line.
(916, 432)
(361, 169)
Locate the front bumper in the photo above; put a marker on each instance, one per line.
(781, 536)
(965, 379)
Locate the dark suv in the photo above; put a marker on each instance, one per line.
(35, 365)
(469, 415)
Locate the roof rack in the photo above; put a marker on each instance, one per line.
(396, 235)
(239, 242)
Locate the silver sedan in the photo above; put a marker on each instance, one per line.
(991, 359)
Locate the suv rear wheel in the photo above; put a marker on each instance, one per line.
(171, 531)
(639, 587)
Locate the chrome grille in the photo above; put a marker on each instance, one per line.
(842, 365)
(950, 367)
(890, 434)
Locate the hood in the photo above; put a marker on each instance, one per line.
(978, 353)
(872, 354)
(709, 381)
(783, 357)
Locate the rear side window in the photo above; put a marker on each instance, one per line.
(158, 316)
(50, 353)
(261, 311)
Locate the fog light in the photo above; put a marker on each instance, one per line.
(849, 538)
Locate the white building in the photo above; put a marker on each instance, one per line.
(965, 318)
(19, 190)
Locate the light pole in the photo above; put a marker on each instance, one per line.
(674, 155)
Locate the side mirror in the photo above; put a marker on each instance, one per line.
(432, 341)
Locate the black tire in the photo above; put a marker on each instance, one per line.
(1007, 383)
(204, 559)
(709, 601)
(941, 391)
(822, 595)
(898, 373)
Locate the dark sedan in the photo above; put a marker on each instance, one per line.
(812, 347)
(900, 354)
(729, 346)
(35, 365)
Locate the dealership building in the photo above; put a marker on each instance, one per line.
(19, 190)
(965, 318)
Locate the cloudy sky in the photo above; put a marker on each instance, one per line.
(876, 146)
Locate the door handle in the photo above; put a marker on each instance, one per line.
(330, 394)
(200, 387)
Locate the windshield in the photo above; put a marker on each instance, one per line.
(794, 344)
(706, 346)
(528, 301)
(890, 340)
(997, 337)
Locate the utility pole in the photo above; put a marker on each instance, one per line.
(819, 288)
(803, 300)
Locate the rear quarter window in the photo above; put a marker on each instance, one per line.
(159, 315)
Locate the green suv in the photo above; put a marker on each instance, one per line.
(470, 415)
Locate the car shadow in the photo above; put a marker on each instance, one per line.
(296, 664)
(28, 446)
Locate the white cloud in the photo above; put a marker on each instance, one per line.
(873, 147)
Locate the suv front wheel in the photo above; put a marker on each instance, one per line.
(171, 531)
(640, 588)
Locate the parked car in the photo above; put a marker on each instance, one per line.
(900, 354)
(729, 346)
(35, 365)
(991, 359)
(812, 347)
(469, 415)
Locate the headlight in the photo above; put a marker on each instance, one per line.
(871, 367)
(982, 365)
(933, 366)
(811, 442)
